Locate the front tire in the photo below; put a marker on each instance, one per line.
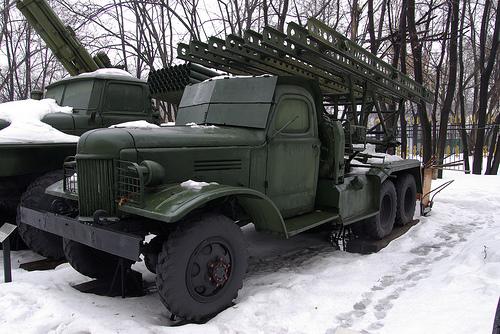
(89, 261)
(201, 267)
(39, 241)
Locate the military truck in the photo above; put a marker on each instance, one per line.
(283, 152)
(100, 97)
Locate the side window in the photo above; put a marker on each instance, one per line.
(77, 94)
(122, 97)
(288, 109)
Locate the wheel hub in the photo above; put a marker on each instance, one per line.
(209, 269)
(218, 272)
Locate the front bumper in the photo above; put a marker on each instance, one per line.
(100, 237)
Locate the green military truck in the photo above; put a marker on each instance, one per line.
(99, 97)
(283, 152)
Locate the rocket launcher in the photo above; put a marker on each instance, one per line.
(353, 80)
(60, 39)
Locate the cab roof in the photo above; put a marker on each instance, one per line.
(104, 73)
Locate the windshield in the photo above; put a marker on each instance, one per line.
(74, 94)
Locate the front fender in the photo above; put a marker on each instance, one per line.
(174, 202)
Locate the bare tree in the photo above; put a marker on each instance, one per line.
(416, 47)
(452, 77)
(461, 94)
(486, 63)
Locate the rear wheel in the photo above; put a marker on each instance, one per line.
(39, 241)
(406, 189)
(201, 267)
(380, 225)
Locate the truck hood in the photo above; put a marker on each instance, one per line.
(107, 143)
(197, 136)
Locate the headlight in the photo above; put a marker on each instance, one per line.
(153, 172)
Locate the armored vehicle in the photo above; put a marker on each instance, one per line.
(283, 151)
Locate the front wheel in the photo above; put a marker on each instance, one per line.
(201, 267)
(39, 241)
(89, 261)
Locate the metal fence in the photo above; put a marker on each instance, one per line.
(454, 146)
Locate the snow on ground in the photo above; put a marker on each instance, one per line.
(442, 276)
(26, 125)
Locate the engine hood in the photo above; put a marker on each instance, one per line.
(197, 136)
(107, 143)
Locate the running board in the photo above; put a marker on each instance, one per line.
(307, 221)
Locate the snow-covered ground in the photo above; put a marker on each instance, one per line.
(443, 276)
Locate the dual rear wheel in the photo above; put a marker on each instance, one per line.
(397, 206)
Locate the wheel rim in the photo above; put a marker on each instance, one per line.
(209, 269)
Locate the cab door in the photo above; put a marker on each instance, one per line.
(293, 152)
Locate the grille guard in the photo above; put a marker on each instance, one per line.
(129, 182)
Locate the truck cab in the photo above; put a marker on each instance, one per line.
(99, 99)
(282, 113)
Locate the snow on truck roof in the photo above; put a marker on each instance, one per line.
(103, 73)
(25, 122)
(25, 116)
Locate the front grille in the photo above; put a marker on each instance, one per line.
(95, 186)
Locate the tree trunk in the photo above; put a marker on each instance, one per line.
(354, 20)
(402, 38)
(282, 16)
(484, 84)
(461, 96)
(495, 144)
(416, 48)
(452, 81)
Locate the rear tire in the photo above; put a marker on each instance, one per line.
(380, 225)
(201, 267)
(39, 241)
(406, 190)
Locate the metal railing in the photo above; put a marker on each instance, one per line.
(454, 147)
